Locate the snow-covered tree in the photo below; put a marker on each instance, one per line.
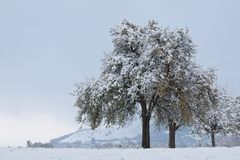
(133, 76)
(217, 118)
(179, 94)
(233, 116)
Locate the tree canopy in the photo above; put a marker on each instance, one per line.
(150, 71)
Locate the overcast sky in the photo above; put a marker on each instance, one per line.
(48, 45)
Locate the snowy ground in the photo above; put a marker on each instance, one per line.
(220, 153)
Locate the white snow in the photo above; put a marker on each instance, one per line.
(219, 153)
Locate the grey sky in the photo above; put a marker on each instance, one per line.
(48, 45)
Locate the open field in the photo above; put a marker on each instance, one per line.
(219, 153)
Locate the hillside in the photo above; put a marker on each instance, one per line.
(129, 136)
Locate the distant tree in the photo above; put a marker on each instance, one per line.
(29, 143)
(233, 116)
(216, 120)
(38, 145)
(131, 74)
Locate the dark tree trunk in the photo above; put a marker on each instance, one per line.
(145, 124)
(172, 127)
(145, 132)
(146, 116)
(213, 139)
(214, 127)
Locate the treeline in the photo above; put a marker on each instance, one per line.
(152, 72)
(38, 145)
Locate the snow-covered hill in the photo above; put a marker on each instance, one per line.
(100, 137)
(129, 136)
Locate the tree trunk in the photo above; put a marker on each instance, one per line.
(145, 132)
(213, 139)
(145, 123)
(172, 133)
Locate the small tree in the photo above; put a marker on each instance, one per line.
(215, 120)
(29, 144)
(232, 112)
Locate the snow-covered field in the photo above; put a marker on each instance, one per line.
(219, 153)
